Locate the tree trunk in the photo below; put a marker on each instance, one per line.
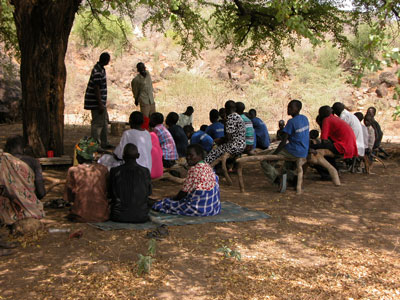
(43, 28)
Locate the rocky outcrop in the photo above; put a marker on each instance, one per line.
(389, 78)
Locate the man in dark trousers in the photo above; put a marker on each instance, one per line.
(96, 101)
(129, 189)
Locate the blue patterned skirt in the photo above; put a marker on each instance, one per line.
(196, 204)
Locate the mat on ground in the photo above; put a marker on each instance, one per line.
(230, 212)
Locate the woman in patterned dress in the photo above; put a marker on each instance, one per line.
(200, 193)
(17, 191)
(234, 141)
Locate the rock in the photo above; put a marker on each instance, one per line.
(393, 103)
(26, 226)
(382, 91)
(374, 82)
(167, 72)
(98, 268)
(223, 74)
(248, 71)
(389, 78)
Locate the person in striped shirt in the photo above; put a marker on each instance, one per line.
(167, 143)
(96, 100)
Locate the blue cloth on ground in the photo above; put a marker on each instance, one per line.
(262, 136)
(202, 138)
(299, 138)
(216, 130)
(230, 212)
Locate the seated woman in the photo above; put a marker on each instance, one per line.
(200, 193)
(17, 191)
(86, 185)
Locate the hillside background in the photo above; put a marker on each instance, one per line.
(316, 76)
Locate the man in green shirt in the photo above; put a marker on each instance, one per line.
(142, 89)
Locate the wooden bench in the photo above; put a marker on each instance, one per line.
(55, 161)
(317, 159)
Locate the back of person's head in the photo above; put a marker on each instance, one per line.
(240, 107)
(230, 107)
(198, 149)
(359, 115)
(203, 127)
(314, 134)
(214, 115)
(141, 68)
(130, 152)
(136, 119)
(222, 112)
(188, 129)
(172, 118)
(337, 108)
(15, 145)
(323, 112)
(252, 113)
(296, 105)
(156, 119)
(189, 110)
(281, 123)
(104, 58)
(368, 119)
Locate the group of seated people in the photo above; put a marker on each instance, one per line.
(117, 187)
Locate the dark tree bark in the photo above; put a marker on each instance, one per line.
(43, 28)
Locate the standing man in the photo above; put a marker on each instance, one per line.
(142, 89)
(96, 101)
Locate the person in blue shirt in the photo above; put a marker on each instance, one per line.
(216, 130)
(199, 137)
(294, 144)
(260, 129)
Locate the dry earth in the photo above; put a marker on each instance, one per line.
(328, 243)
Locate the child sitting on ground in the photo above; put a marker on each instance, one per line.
(199, 137)
(177, 133)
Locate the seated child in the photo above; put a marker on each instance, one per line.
(250, 141)
(167, 143)
(199, 137)
(314, 137)
(86, 185)
(186, 118)
(200, 194)
(216, 130)
(371, 133)
(129, 188)
(296, 133)
(177, 133)
(279, 133)
(260, 130)
(364, 129)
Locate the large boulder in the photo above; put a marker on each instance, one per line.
(389, 78)
(167, 72)
(382, 91)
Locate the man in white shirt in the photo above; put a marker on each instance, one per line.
(139, 137)
(339, 110)
(186, 118)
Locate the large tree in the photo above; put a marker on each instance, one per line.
(245, 27)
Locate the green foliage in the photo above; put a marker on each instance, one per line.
(145, 261)
(101, 31)
(396, 113)
(228, 253)
(8, 34)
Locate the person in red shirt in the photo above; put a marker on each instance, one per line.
(336, 134)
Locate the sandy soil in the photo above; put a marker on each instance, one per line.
(328, 243)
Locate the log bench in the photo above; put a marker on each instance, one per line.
(317, 159)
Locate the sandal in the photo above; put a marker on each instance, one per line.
(159, 233)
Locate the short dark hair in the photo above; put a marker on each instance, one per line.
(314, 134)
(136, 118)
(156, 119)
(240, 107)
(359, 115)
(188, 129)
(203, 127)
(13, 142)
(141, 69)
(253, 112)
(222, 111)
(104, 58)
(172, 118)
(230, 105)
(130, 151)
(214, 115)
(190, 108)
(338, 107)
(197, 148)
(324, 111)
(297, 104)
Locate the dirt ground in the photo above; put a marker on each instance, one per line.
(328, 243)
